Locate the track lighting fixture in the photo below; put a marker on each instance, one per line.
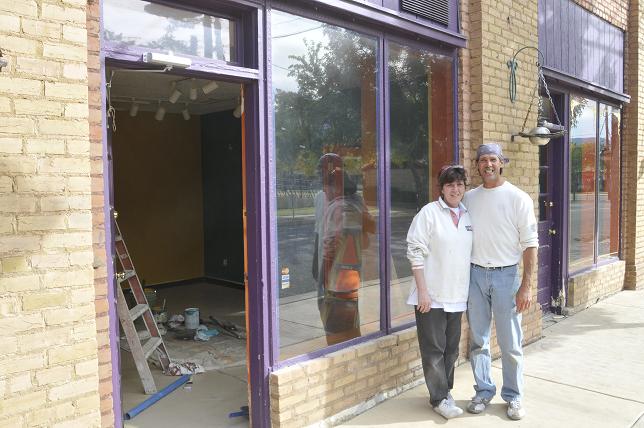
(239, 110)
(209, 87)
(175, 94)
(185, 113)
(160, 114)
(134, 108)
(193, 90)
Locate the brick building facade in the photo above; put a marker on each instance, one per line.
(59, 357)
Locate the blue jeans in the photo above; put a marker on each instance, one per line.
(492, 292)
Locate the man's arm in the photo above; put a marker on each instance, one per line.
(524, 295)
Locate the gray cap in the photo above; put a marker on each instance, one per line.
(491, 149)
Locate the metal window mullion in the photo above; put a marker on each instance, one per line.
(384, 191)
(596, 228)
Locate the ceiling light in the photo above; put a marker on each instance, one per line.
(160, 114)
(239, 110)
(193, 90)
(134, 108)
(209, 87)
(175, 94)
(186, 113)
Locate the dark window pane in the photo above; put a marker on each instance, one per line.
(583, 140)
(421, 135)
(324, 90)
(609, 180)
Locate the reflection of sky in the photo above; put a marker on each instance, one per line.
(586, 122)
(129, 18)
(288, 34)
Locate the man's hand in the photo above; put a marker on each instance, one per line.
(523, 298)
(424, 301)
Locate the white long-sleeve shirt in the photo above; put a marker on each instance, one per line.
(435, 244)
(504, 224)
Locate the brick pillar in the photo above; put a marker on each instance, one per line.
(48, 347)
(633, 151)
(497, 29)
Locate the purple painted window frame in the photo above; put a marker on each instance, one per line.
(260, 162)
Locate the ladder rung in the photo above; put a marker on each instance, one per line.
(138, 310)
(128, 274)
(151, 345)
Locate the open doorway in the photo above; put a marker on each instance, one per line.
(177, 155)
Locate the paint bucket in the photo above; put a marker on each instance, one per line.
(191, 318)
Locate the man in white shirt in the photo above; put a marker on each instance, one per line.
(505, 231)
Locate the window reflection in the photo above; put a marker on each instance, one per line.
(324, 92)
(421, 134)
(583, 136)
(162, 29)
(608, 180)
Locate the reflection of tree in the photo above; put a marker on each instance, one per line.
(577, 111)
(325, 111)
(409, 76)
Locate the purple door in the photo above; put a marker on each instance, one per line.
(550, 206)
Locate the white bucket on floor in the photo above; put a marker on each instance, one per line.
(191, 318)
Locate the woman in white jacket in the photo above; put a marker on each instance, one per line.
(439, 243)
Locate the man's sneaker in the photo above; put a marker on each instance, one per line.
(447, 410)
(515, 410)
(478, 404)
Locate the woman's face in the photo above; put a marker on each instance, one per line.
(453, 192)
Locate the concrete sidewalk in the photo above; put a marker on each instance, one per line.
(587, 371)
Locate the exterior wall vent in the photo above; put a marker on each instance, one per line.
(436, 10)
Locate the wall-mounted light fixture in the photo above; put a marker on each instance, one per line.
(544, 131)
(3, 61)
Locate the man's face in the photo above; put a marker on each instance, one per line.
(490, 168)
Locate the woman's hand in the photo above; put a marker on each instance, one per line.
(424, 301)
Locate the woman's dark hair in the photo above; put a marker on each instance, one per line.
(451, 173)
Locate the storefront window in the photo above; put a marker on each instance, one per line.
(594, 182)
(324, 82)
(421, 135)
(167, 29)
(608, 181)
(583, 144)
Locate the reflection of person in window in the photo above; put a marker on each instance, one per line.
(343, 226)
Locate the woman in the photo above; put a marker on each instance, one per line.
(439, 243)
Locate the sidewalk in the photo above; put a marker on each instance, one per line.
(587, 371)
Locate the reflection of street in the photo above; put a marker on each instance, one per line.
(296, 245)
(582, 224)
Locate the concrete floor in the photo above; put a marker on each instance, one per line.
(587, 371)
(214, 394)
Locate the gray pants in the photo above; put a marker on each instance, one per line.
(439, 333)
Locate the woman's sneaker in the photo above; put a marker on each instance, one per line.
(478, 404)
(447, 409)
(515, 410)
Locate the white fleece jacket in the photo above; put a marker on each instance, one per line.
(434, 243)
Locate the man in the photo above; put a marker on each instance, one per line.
(504, 232)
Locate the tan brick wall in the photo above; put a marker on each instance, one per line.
(98, 214)
(48, 358)
(588, 288)
(633, 151)
(349, 381)
(613, 11)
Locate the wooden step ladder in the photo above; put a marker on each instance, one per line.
(140, 351)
